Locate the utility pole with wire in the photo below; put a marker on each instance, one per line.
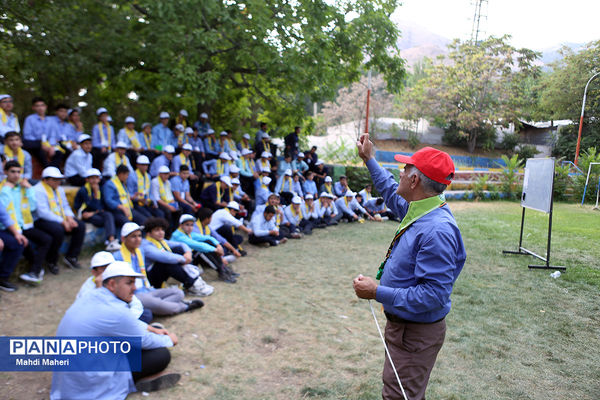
(479, 14)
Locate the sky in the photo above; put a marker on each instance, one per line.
(535, 24)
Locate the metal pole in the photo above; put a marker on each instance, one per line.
(368, 102)
(581, 118)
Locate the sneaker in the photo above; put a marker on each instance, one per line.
(194, 304)
(7, 286)
(72, 262)
(113, 246)
(53, 268)
(231, 272)
(31, 277)
(282, 241)
(200, 288)
(157, 325)
(296, 235)
(230, 258)
(227, 278)
(159, 383)
(244, 253)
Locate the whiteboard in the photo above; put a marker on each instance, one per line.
(538, 183)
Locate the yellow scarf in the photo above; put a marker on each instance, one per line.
(120, 160)
(289, 182)
(133, 137)
(220, 167)
(203, 230)
(109, 133)
(5, 119)
(231, 143)
(245, 145)
(328, 188)
(25, 210)
(127, 256)
(165, 195)
(210, 143)
(294, 212)
(20, 156)
(179, 140)
(123, 195)
(143, 184)
(55, 206)
(181, 121)
(88, 187)
(161, 245)
(147, 140)
(185, 160)
(219, 194)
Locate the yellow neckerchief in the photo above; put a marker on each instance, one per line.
(161, 245)
(88, 187)
(179, 140)
(127, 256)
(220, 167)
(210, 142)
(164, 196)
(368, 195)
(119, 160)
(251, 164)
(203, 230)
(132, 135)
(294, 212)
(311, 209)
(231, 144)
(181, 121)
(25, 209)
(222, 143)
(184, 160)
(123, 195)
(328, 188)
(230, 194)
(4, 117)
(148, 140)
(262, 165)
(20, 156)
(219, 194)
(289, 182)
(266, 145)
(143, 183)
(278, 217)
(55, 206)
(186, 234)
(346, 200)
(245, 145)
(244, 163)
(109, 133)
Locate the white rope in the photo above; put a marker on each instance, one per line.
(386, 350)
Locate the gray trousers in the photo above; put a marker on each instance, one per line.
(166, 301)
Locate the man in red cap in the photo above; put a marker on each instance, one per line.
(419, 269)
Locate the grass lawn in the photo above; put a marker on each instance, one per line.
(292, 328)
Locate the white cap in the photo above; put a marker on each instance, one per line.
(226, 180)
(101, 110)
(189, 130)
(266, 180)
(234, 154)
(233, 205)
(119, 268)
(328, 179)
(83, 137)
(265, 154)
(300, 155)
(350, 193)
(204, 115)
(5, 96)
(129, 120)
(245, 152)
(163, 115)
(187, 146)
(234, 169)
(265, 170)
(309, 197)
(121, 145)
(223, 133)
(319, 162)
(52, 172)
(145, 124)
(225, 156)
(184, 113)
(235, 181)
(169, 149)
(246, 136)
(128, 228)
(269, 155)
(210, 131)
(330, 195)
(101, 258)
(297, 200)
(179, 127)
(109, 119)
(324, 194)
(92, 172)
(185, 218)
(142, 160)
(288, 172)
(164, 169)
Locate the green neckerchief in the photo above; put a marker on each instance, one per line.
(416, 210)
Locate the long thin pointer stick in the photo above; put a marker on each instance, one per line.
(386, 350)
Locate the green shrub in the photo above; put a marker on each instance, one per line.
(341, 152)
(509, 178)
(562, 180)
(479, 187)
(509, 142)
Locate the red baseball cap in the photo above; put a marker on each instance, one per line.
(435, 164)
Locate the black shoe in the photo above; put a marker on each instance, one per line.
(8, 287)
(160, 382)
(321, 226)
(225, 277)
(192, 305)
(72, 263)
(244, 253)
(53, 268)
(231, 272)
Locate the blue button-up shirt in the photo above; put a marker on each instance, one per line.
(98, 141)
(179, 185)
(36, 128)
(310, 187)
(60, 131)
(425, 262)
(43, 210)
(78, 163)
(260, 226)
(11, 125)
(160, 136)
(13, 195)
(100, 313)
(157, 163)
(27, 167)
(196, 142)
(212, 146)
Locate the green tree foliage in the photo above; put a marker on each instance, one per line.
(238, 60)
(479, 86)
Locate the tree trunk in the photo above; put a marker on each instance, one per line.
(472, 142)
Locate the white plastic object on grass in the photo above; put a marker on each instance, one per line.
(555, 274)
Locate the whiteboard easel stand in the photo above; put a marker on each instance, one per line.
(525, 252)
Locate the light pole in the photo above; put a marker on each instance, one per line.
(581, 119)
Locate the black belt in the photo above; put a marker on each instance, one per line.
(396, 319)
